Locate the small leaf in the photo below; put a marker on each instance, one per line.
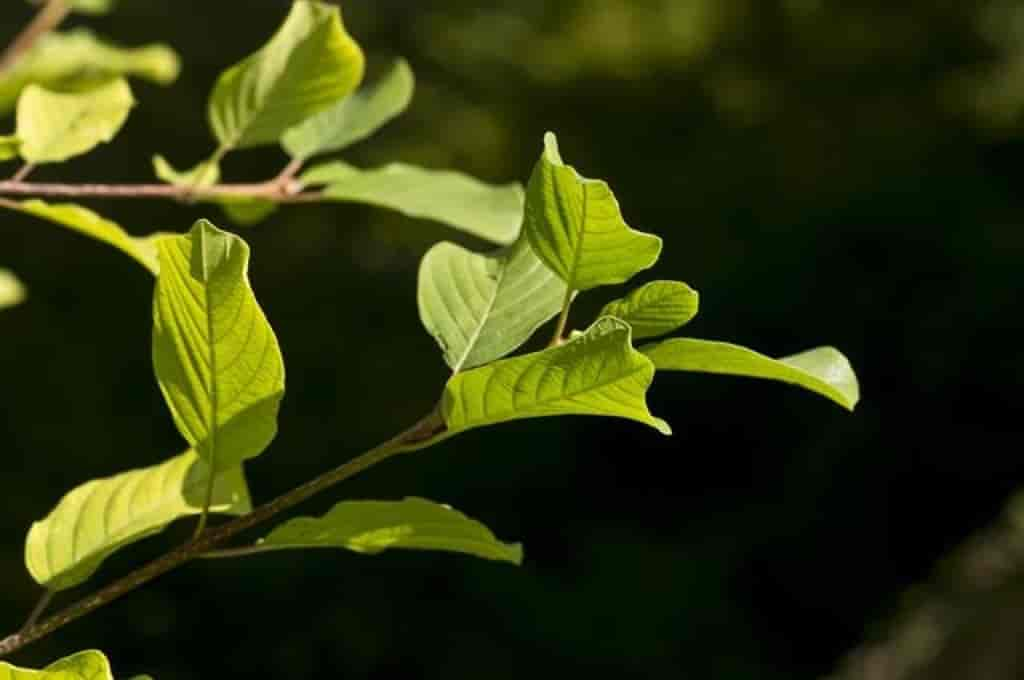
(374, 526)
(89, 223)
(598, 373)
(246, 211)
(12, 291)
(55, 126)
(353, 118)
(656, 308)
(481, 307)
(92, 6)
(102, 516)
(491, 212)
(215, 355)
(204, 174)
(77, 58)
(310, 63)
(9, 147)
(823, 370)
(575, 226)
(88, 665)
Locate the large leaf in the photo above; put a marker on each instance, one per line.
(12, 292)
(88, 665)
(597, 373)
(310, 63)
(575, 226)
(55, 126)
(481, 307)
(215, 355)
(374, 526)
(102, 516)
(823, 370)
(353, 118)
(89, 223)
(656, 308)
(492, 212)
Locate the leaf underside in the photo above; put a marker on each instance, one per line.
(656, 308)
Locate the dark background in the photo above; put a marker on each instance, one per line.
(823, 172)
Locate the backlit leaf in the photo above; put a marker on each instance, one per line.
(216, 357)
(309, 64)
(823, 370)
(575, 226)
(9, 147)
(247, 211)
(597, 373)
(88, 665)
(656, 308)
(204, 174)
(102, 516)
(12, 291)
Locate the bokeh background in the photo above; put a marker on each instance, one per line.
(823, 172)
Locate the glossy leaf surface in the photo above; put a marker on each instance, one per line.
(656, 308)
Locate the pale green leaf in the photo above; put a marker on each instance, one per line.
(491, 212)
(481, 307)
(87, 222)
(88, 665)
(77, 58)
(374, 526)
(204, 174)
(575, 226)
(9, 147)
(216, 357)
(353, 118)
(12, 291)
(55, 126)
(309, 64)
(823, 370)
(597, 373)
(87, 6)
(100, 517)
(247, 211)
(656, 308)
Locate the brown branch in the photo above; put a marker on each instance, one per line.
(48, 18)
(272, 191)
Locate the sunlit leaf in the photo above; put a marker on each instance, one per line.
(216, 357)
(597, 373)
(481, 307)
(575, 226)
(353, 118)
(247, 211)
(12, 291)
(309, 64)
(374, 526)
(90, 224)
(88, 665)
(9, 147)
(823, 370)
(77, 58)
(87, 6)
(656, 308)
(491, 212)
(55, 126)
(102, 516)
(206, 173)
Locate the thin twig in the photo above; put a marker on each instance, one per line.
(38, 610)
(48, 18)
(23, 172)
(265, 190)
(563, 318)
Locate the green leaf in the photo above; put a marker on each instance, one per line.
(92, 6)
(90, 224)
(481, 307)
(102, 516)
(353, 118)
(310, 63)
(656, 308)
(215, 355)
(823, 370)
(9, 147)
(77, 58)
(575, 226)
(245, 211)
(491, 212)
(598, 373)
(55, 126)
(12, 292)
(204, 174)
(88, 665)
(374, 526)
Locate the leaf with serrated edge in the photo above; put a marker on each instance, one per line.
(353, 118)
(371, 527)
(309, 64)
(216, 358)
(86, 222)
(823, 370)
(598, 373)
(205, 173)
(491, 212)
(655, 308)
(100, 517)
(87, 665)
(12, 291)
(481, 307)
(56, 126)
(575, 226)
